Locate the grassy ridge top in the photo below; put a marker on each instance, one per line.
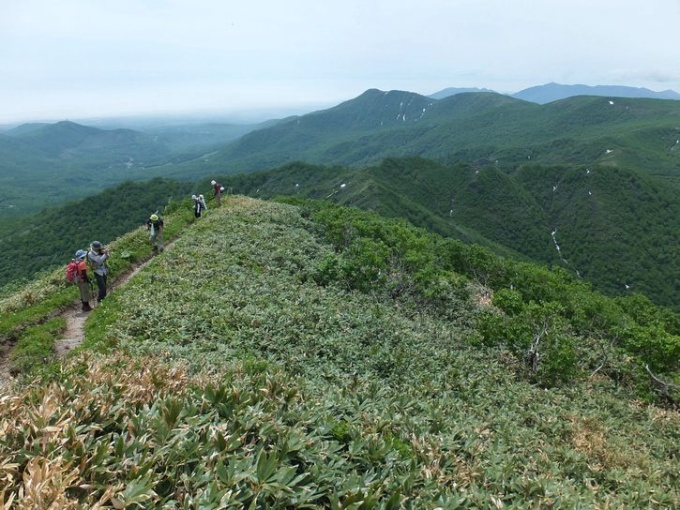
(246, 366)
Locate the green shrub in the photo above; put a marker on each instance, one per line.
(35, 347)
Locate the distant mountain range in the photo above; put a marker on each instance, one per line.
(67, 161)
(602, 173)
(476, 127)
(550, 92)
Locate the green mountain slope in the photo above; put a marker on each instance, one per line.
(613, 227)
(468, 127)
(66, 160)
(50, 164)
(317, 357)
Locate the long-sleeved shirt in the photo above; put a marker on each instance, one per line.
(98, 261)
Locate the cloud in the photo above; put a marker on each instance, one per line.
(179, 54)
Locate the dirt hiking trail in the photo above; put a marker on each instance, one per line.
(75, 324)
(75, 319)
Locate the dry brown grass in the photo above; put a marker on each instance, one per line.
(64, 415)
(591, 438)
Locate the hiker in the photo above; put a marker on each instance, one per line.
(217, 189)
(97, 256)
(155, 226)
(199, 205)
(83, 280)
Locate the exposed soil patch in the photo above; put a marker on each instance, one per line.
(74, 334)
(75, 319)
(5, 374)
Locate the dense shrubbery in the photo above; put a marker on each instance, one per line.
(555, 324)
(391, 258)
(248, 366)
(614, 227)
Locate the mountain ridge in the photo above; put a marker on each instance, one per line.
(554, 91)
(467, 126)
(549, 92)
(496, 135)
(354, 132)
(602, 223)
(277, 350)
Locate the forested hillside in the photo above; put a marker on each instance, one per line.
(38, 244)
(585, 183)
(313, 356)
(481, 128)
(65, 160)
(607, 225)
(613, 227)
(45, 165)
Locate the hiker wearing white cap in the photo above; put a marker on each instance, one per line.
(217, 189)
(155, 227)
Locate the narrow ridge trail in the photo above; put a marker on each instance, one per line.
(74, 333)
(75, 324)
(75, 319)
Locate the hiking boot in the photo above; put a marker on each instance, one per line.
(87, 307)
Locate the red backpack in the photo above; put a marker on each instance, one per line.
(72, 271)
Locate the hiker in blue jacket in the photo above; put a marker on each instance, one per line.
(97, 257)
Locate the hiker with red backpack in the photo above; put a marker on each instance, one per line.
(76, 272)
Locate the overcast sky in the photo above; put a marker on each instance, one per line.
(77, 59)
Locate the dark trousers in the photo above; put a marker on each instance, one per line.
(101, 285)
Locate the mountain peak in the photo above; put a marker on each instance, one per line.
(552, 91)
(452, 91)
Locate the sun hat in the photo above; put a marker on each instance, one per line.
(81, 254)
(153, 217)
(96, 245)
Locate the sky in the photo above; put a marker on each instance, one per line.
(254, 59)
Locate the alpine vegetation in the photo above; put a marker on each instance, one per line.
(304, 355)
